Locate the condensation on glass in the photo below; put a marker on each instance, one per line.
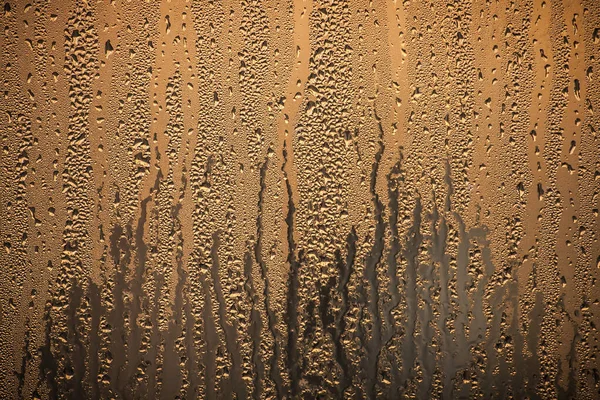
(299, 199)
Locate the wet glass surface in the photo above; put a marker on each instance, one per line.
(299, 199)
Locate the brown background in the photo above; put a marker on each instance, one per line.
(299, 199)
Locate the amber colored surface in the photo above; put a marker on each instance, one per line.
(299, 199)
